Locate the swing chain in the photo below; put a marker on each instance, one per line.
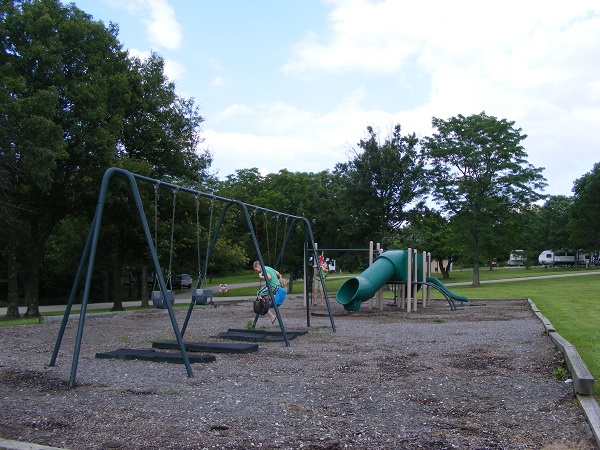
(267, 235)
(198, 233)
(202, 273)
(156, 195)
(175, 191)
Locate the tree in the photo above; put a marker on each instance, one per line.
(553, 224)
(162, 128)
(584, 222)
(384, 179)
(160, 136)
(481, 178)
(429, 232)
(65, 83)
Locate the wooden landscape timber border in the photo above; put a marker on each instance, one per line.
(583, 381)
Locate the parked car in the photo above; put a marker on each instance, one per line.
(181, 281)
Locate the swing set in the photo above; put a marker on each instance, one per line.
(163, 297)
(199, 296)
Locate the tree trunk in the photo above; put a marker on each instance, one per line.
(290, 289)
(130, 287)
(117, 298)
(32, 288)
(105, 286)
(12, 312)
(144, 287)
(445, 270)
(476, 282)
(117, 274)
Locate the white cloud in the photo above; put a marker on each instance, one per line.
(141, 54)
(162, 28)
(234, 111)
(174, 70)
(517, 60)
(218, 81)
(233, 151)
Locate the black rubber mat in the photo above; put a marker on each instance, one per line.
(267, 332)
(259, 335)
(324, 314)
(209, 347)
(153, 355)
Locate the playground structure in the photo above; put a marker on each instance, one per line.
(404, 268)
(315, 271)
(164, 297)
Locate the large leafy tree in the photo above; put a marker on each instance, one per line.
(162, 128)
(160, 139)
(379, 184)
(552, 230)
(311, 195)
(73, 105)
(65, 84)
(481, 178)
(585, 211)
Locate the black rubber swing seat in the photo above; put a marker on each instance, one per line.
(208, 347)
(153, 355)
(259, 335)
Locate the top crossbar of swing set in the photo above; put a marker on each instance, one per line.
(90, 249)
(216, 197)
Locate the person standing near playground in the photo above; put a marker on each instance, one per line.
(276, 282)
(317, 284)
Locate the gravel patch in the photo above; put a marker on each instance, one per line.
(477, 378)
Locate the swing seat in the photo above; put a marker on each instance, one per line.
(159, 301)
(202, 296)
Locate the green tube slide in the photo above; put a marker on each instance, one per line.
(390, 266)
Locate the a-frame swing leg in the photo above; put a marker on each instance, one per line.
(71, 300)
(187, 318)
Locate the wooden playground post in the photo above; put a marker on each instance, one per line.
(409, 280)
(424, 287)
(370, 264)
(414, 279)
(379, 295)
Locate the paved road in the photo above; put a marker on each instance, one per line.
(560, 275)
(185, 297)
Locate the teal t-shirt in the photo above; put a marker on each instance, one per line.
(274, 281)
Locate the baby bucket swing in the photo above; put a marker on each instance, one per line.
(202, 296)
(159, 299)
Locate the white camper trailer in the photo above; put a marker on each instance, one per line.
(562, 258)
(516, 259)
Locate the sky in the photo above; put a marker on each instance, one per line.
(294, 84)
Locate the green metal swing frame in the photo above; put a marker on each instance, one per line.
(89, 254)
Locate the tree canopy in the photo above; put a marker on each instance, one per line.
(70, 97)
(74, 104)
(385, 179)
(584, 222)
(481, 178)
